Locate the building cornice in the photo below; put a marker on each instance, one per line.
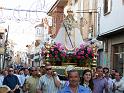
(110, 33)
(57, 3)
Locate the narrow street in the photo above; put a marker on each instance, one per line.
(60, 46)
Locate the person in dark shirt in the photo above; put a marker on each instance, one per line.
(12, 81)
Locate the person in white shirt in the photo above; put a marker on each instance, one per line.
(24, 76)
(109, 80)
(1, 79)
(118, 84)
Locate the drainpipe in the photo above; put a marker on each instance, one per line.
(98, 28)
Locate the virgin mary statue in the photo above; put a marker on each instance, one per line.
(69, 33)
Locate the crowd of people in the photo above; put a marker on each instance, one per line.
(44, 80)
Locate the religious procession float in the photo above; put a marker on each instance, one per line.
(68, 48)
(60, 57)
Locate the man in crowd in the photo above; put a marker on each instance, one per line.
(109, 80)
(73, 87)
(112, 75)
(100, 82)
(118, 84)
(12, 81)
(24, 76)
(31, 82)
(48, 83)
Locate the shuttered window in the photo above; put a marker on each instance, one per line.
(107, 6)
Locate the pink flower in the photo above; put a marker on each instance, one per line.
(56, 56)
(82, 52)
(87, 55)
(78, 57)
(52, 49)
(88, 52)
(77, 49)
(79, 53)
(64, 54)
(50, 55)
(89, 49)
(60, 49)
(92, 55)
(82, 57)
(61, 55)
(56, 52)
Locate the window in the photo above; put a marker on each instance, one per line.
(107, 6)
(123, 2)
(38, 31)
(118, 57)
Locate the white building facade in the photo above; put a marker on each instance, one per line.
(111, 32)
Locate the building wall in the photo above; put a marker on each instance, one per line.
(111, 61)
(112, 42)
(57, 16)
(113, 20)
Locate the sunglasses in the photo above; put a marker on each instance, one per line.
(33, 70)
(48, 68)
(10, 70)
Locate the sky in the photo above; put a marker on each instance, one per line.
(21, 22)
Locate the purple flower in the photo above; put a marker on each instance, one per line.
(82, 46)
(58, 44)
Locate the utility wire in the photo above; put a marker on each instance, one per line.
(22, 10)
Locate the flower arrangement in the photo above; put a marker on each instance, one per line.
(83, 53)
(57, 53)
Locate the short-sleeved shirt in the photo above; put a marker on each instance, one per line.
(31, 84)
(67, 89)
(1, 80)
(47, 84)
(120, 85)
(99, 85)
(11, 81)
(22, 78)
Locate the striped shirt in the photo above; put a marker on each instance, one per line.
(47, 84)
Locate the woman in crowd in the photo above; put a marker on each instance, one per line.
(87, 80)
